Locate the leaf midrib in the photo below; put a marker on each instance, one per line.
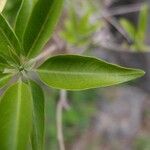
(18, 115)
(82, 73)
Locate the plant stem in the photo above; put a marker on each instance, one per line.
(130, 8)
(62, 104)
(37, 61)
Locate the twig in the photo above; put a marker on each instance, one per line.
(43, 56)
(62, 104)
(118, 27)
(120, 10)
(108, 15)
(54, 47)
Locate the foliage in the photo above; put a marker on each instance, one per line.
(75, 120)
(2, 5)
(142, 143)
(79, 27)
(137, 34)
(22, 103)
(80, 73)
(11, 9)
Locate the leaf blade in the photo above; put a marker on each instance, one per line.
(4, 79)
(41, 25)
(74, 72)
(37, 137)
(23, 17)
(129, 28)
(143, 23)
(2, 5)
(8, 39)
(15, 120)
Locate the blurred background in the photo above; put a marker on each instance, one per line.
(113, 118)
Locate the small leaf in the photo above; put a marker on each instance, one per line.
(8, 39)
(73, 72)
(41, 25)
(129, 28)
(37, 137)
(143, 23)
(15, 117)
(2, 5)
(23, 17)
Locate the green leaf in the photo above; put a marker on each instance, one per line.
(41, 25)
(129, 28)
(8, 39)
(23, 17)
(11, 10)
(37, 137)
(143, 22)
(15, 117)
(73, 72)
(2, 5)
(3, 60)
(4, 78)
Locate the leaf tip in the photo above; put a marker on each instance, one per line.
(139, 73)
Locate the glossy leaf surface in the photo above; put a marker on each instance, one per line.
(15, 117)
(23, 17)
(73, 72)
(37, 137)
(41, 25)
